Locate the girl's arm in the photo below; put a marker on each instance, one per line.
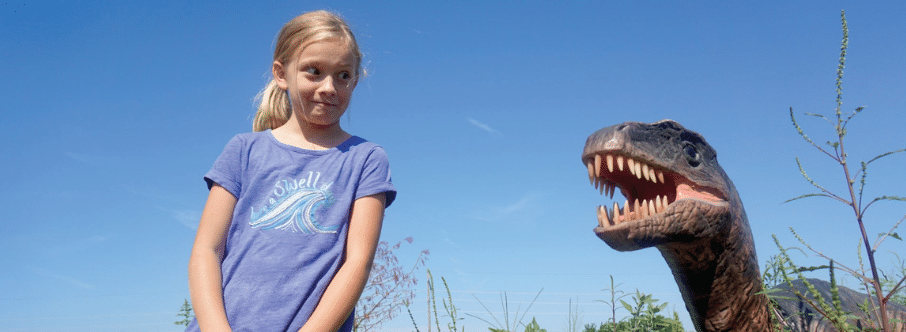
(344, 290)
(205, 285)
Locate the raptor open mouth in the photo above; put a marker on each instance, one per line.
(649, 189)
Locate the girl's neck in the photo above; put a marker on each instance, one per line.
(309, 136)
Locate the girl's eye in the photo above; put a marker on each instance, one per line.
(345, 75)
(312, 71)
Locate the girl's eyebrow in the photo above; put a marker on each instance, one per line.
(306, 63)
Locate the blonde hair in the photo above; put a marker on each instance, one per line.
(274, 108)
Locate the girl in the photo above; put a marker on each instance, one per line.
(289, 230)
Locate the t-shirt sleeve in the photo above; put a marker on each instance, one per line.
(375, 177)
(227, 169)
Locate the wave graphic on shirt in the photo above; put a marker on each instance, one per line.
(295, 212)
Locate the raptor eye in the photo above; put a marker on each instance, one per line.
(692, 156)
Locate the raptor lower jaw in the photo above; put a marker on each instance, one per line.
(656, 229)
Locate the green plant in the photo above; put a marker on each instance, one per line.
(613, 302)
(871, 280)
(572, 324)
(644, 311)
(833, 311)
(533, 327)
(450, 309)
(645, 314)
(186, 313)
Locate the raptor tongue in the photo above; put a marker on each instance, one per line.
(687, 191)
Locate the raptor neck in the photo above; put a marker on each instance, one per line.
(719, 279)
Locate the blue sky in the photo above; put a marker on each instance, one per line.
(114, 111)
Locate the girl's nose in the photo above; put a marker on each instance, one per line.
(329, 85)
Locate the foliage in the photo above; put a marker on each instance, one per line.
(782, 266)
(389, 287)
(531, 327)
(612, 303)
(645, 315)
(186, 313)
(450, 309)
(832, 311)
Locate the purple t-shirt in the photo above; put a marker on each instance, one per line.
(288, 233)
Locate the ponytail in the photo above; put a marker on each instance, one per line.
(273, 108)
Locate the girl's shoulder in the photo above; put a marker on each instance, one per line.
(255, 136)
(244, 139)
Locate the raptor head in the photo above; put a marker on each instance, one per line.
(674, 188)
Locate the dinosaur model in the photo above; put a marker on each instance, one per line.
(679, 200)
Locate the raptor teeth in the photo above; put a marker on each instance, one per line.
(607, 216)
(602, 171)
(636, 208)
(598, 165)
(602, 212)
(625, 210)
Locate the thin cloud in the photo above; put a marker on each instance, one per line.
(484, 127)
(528, 200)
(188, 218)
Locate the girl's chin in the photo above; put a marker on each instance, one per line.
(322, 121)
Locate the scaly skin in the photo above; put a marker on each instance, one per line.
(703, 233)
(697, 221)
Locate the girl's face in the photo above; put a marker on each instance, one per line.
(319, 81)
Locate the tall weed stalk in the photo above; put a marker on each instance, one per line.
(449, 308)
(854, 199)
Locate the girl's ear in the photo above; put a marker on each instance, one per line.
(280, 75)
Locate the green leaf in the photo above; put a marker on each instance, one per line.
(626, 305)
(886, 154)
(804, 196)
(812, 268)
(534, 327)
(888, 198)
